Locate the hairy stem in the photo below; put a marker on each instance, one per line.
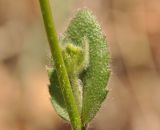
(77, 91)
(60, 66)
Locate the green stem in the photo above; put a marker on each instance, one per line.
(77, 92)
(60, 66)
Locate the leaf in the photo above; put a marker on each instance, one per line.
(74, 58)
(56, 95)
(96, 75)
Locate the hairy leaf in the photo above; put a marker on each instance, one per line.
(56, 95)
(96, 75)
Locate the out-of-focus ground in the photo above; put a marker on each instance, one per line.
(133, 32)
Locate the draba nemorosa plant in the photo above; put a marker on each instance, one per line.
(80, 72)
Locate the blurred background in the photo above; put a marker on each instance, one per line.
(133, 32)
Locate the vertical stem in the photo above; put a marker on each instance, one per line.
(77, 92)
(59, 65)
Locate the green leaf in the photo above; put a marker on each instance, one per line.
(74, 58)
(96, 75)
(56, 95)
